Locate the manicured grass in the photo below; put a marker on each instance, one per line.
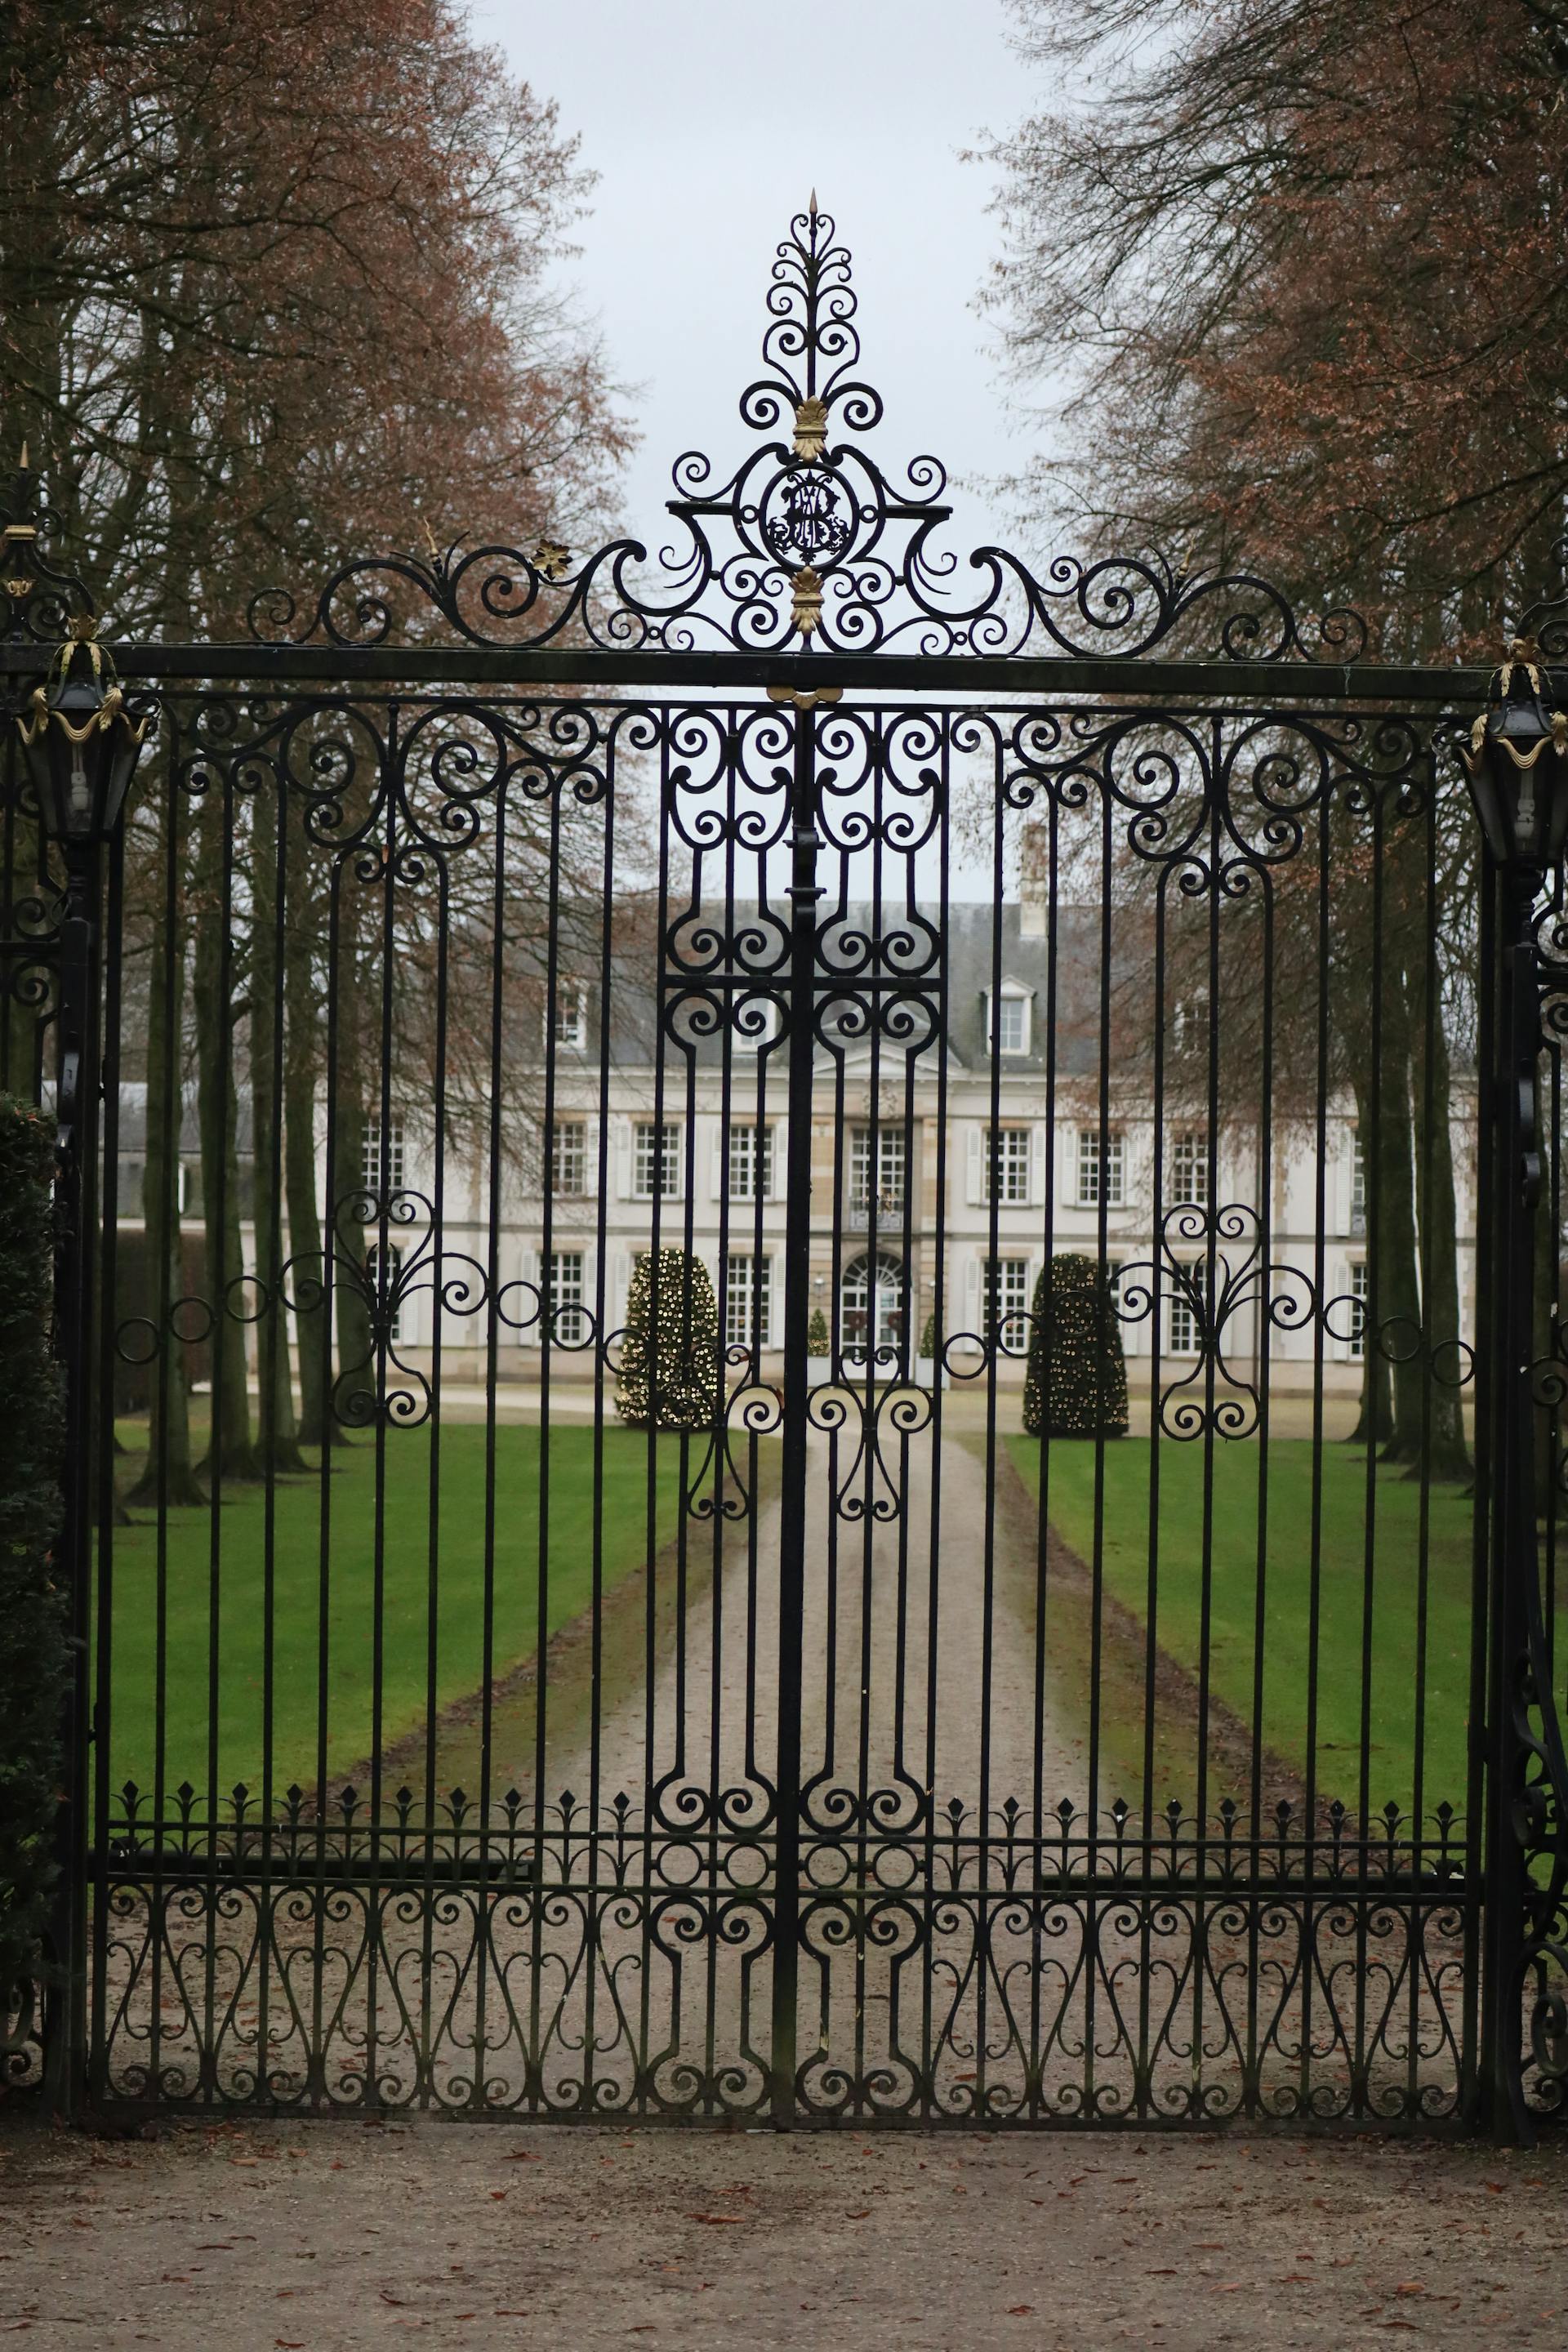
(213, 1592)
(1420, 1595)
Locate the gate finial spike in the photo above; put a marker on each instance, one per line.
(26, 467)
(813, 216)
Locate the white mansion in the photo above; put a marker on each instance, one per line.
(942, 1176)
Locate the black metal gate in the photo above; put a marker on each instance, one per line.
(803, 1402)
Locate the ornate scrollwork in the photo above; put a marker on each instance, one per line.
(808, 543)
(1210, 1260)
(39, 602)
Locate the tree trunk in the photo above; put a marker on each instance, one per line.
(1375, 1421)
(1397, 1275)
(230, 1454)
(354, 1395)
(277, 1446)
(168, 1474)
(1448, 1455)
(308, 1271)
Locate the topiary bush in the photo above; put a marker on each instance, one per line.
(818, 1342)
(33, 1654)
(1075, 1382)
(671, 1375)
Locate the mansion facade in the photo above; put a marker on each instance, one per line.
(942, 1176)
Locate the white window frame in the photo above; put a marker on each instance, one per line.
(1093, 1166)
(1361, 1293)
(570, 1015)
(1008, 1166)
(1358, 1181)
(564, 1273)
(750, 1152)
(578, 1129)
(1005, 1298)
(1182, 1318)
(652, 1161)
(1191, 1168)
(1010, 994)
(382, 1164)
(893, 1167)
(748, 1300)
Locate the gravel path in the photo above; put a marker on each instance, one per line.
(867, 1648)
(330, 2236)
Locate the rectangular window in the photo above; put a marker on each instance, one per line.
(1359, 1295)
(568, 1022)
(382, 1274)
(1010, 1030)
(1358, 1183)
(881, 1150)
(1189, 1179)
(1008, 1303)
(563, 1297)
(383, 1157)
(750, 1162)
(1185, 1333)
(1101, 1181)
(1007, 1165)
(568, 1157)
(748, 1299)
(656, 1166)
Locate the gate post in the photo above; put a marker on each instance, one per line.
(81, 744)
(1518, 772)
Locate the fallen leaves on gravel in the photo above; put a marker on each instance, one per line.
(723, 2220)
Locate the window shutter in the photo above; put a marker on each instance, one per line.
(591, 1176)
(778, 1148)
(1338, 1203)
(679, 1156)
(1037, 1167)
(623, 1159)
(525, 1311)
(976, 1171)
(620, 1283)
(719, 1159)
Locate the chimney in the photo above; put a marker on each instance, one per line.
(1034, 879)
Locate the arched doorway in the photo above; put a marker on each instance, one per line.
(872, 1299)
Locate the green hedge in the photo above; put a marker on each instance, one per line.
(671, 1372)
(32, 1610)
(1075, 1384)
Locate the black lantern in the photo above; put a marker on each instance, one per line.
(1518, 763)
(82, 741)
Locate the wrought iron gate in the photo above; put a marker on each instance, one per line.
(760, 1221)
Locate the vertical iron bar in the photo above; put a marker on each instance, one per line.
(76, 1106)
(1508, 1112)
(804, 895)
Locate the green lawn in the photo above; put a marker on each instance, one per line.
(1420, 1588)
(216, 1615)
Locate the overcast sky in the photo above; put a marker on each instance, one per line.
(709, 122)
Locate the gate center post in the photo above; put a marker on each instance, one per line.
(803, 894)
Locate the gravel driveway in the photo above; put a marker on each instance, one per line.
(549, 2238)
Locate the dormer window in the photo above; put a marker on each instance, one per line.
(566, 1023)
(1008, 1018)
